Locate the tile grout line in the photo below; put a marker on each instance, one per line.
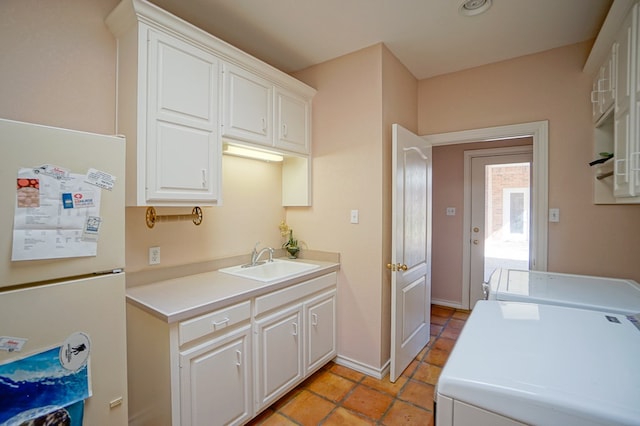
(395, 398)
(410, 377)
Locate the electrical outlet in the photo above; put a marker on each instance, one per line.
(154, 255)
(451, 211)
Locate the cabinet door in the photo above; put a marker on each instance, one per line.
(621, 187)
(595, 99)
(603, 89)
(247, 106)
(622, 129)
(627, 110)
(634, 149)
(320, 317)
(183, 152)
(608, 85)
(293, 120)
(215, 381)
(278, 354)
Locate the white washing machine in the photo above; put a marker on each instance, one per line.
(524, 363)
(582, 291)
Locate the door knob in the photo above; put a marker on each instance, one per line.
(475, 242)
(476, 229)
(397, 267)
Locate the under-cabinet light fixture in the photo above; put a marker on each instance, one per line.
(241, 151)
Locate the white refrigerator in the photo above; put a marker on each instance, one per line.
(62, 282)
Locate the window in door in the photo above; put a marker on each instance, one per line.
(507, 203)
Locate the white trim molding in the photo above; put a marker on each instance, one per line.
(378, 373)
(539, 132)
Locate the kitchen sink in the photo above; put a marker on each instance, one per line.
(270, 271)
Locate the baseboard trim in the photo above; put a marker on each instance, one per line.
(447, 303)
(378, 373)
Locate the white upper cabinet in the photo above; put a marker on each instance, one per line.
(293, 122)
(182, 154)
(248, 106)
(168, 100)
(626, 118)
(618, 129)
(181, 90)
(603, 92)
(259, 112)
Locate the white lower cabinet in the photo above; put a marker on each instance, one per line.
(295, 335)
(223, 367)
(320, 317)
(278, 354)
(215, 381)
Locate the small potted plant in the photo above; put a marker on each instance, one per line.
(291, 245)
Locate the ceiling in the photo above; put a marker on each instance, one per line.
(429, 37)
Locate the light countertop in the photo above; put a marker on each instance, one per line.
(187, 296)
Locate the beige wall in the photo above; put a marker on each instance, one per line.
(589, 239)
(251, 213)
(359, 96)
(58, 63)
(347, 175)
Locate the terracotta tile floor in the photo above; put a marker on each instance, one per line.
(336, 395)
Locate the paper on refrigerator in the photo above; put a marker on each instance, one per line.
(57, 214)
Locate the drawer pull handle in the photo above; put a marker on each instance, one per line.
(314, 320)
(238, 358)
(295, 329)
(217, 324)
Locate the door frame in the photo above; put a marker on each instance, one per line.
(466, 234)
(539, 132)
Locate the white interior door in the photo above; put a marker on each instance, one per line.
(500, 217)
(411, 248)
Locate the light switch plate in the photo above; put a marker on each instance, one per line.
(554, 215)
(355, 216)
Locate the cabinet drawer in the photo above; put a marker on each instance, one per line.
(287, 295)
(215, 321)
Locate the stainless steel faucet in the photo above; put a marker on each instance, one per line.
(255, 255)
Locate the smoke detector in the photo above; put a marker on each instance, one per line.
(474, 7)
